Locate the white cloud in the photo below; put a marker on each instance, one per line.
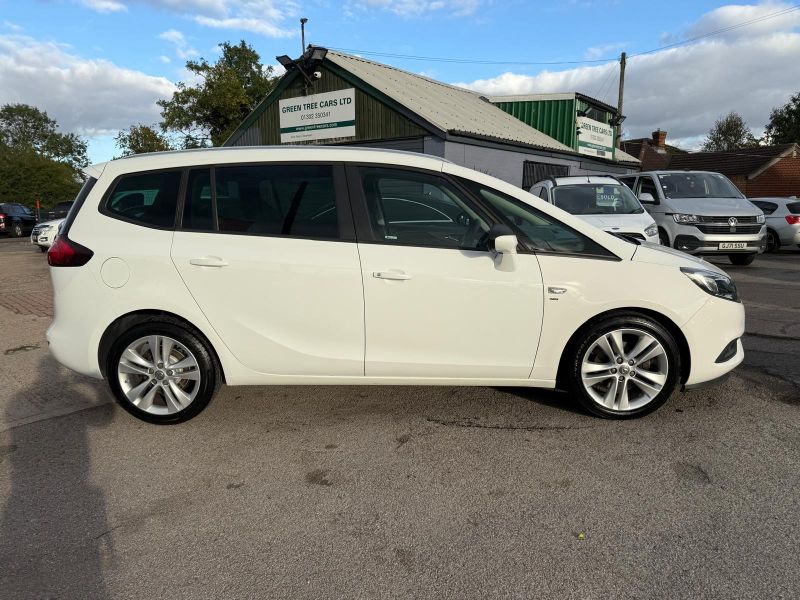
(87, 96)
(104, 6)
(177, 39)
(604, 50)
(414, 8)
(165, 59)
(684, 90)
(257, 16)
(12, 26)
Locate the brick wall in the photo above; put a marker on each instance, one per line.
(782, 179)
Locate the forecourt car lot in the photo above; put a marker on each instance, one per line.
(400, 492)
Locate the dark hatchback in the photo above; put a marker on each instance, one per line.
(16, 220)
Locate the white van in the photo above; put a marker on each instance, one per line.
(701, 213)
(601, 201)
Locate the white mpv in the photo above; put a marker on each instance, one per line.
(178, 271)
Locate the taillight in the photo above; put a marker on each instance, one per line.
(793, 219)
(66, 253)
(2, 221)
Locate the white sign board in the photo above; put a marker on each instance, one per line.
(595, 138)
(318, 117)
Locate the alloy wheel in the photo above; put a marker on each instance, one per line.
(159, 375)
(624, 369)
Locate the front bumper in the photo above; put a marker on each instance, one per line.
(710, 243)
(718, 323)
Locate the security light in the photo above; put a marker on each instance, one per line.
(286, 62)
(318, 54)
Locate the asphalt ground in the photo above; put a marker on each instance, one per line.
(365, 492)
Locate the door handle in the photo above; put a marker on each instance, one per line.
(394, 275)
(208, 261)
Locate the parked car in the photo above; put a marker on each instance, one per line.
(701, 213)
(783, 221)
(348, 266)
(16, 220)
(602, 201)
(44, 234)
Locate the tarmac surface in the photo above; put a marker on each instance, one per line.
(418, 492)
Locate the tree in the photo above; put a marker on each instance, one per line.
(784, 122)
(729, 133)
(226, 92)
(25, 127)
(26, 176)
(138, 139)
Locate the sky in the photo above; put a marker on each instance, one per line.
(98, 66)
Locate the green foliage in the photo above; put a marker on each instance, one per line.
(26, 175)
(138, 139)
(729, 133)
(26, 127)
(784, 123)
(226, 92)
(36, 161)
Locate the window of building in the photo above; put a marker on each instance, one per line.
(418, 209)
(146, 198)
(534, 172)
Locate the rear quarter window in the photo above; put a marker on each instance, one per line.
(767, 207)
(794, 208)
(148, 199)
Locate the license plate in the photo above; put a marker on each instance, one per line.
(733, 246)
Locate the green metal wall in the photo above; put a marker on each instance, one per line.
(374, 119)
(555, 118)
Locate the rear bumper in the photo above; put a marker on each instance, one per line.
(708, 333)
(790, 234)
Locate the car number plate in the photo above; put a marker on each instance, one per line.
(733, 246)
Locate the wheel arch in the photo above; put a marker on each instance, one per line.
(777, 236)
(131, 319)
(660, 318)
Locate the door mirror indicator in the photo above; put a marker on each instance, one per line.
(647, 198)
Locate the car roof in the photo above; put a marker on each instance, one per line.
(673, 171)
(244, 154)
(584, 179)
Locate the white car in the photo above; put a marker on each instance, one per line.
(602, 201)
(178, 271)
(701, 213)
(45, 233)
(783, 221)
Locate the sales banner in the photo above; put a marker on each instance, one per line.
(595, 138)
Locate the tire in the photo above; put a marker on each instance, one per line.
(16, 230)
(601, 393)
(742, 259)
(131, 379)
(43, 248)
(773, 241)
(663, 237)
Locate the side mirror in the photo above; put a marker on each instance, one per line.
(647, 198)
(503, 241)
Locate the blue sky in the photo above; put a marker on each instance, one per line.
(99, 65)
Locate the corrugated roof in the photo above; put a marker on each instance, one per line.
(447, 107)
(742, 162)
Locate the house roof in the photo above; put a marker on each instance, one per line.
(554, 96)
(749, 162)
(449, 108)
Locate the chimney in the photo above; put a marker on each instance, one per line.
(659, 138)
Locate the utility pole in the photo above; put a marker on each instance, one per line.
(622, 58)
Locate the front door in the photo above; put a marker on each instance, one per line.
(436, 303)
(269, 256)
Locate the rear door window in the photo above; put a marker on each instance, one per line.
(148, 199)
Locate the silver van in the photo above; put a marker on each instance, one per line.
(699, 212)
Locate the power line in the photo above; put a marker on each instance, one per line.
(469, 61)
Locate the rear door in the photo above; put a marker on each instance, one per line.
(268, 252)
(436, 303)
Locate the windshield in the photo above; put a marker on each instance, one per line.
(698, 185)
(594, 199)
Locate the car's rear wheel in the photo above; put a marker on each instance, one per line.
(742, 259)
(773, 241)
(624, 366)
(162, 373)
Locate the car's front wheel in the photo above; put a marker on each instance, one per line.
(624, 366)
(16, 230)
(162, 373)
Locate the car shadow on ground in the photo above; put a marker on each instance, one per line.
(53, 524)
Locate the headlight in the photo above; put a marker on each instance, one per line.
(760, 218)
(651, 230)
(716, 284)
(682, 218)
